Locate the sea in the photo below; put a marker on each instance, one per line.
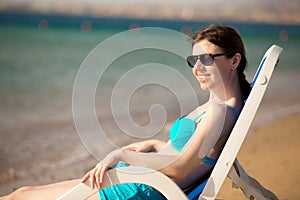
(44, 49)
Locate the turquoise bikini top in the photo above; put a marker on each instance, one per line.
(183, 129)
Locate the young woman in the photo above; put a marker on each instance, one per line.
(196, 139)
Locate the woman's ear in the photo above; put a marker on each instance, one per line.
(236, 59)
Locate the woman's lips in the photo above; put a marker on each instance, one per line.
(203, 77)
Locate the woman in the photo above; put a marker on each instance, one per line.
(196, 139)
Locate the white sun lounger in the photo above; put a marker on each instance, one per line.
(227, 165)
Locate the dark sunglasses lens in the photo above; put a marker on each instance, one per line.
(191, 60)
(206, 59)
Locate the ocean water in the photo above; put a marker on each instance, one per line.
(38, 50)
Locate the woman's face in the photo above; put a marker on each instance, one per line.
(216, 76)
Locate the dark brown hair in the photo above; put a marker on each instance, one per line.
(230, 41)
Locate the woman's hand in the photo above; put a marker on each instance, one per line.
(145, 146)
(96, 175)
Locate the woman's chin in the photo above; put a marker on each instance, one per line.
(204, 87)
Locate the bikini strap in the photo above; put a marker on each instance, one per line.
(209, 160)
(198, 117)
(234, 112)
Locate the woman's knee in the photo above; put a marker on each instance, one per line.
(20, 193)
(25, 189)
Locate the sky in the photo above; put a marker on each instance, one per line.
(273, 11)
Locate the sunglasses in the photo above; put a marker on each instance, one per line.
(206, 59)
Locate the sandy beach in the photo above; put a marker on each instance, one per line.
(38, 146)
(271, 155)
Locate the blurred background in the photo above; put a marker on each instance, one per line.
(43, 43)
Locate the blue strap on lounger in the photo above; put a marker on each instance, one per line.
(193, 195)
(258, 71)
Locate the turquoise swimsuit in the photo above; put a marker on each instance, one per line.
(181, 131)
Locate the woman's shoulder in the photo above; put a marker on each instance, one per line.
(220, 111)
(216, 107)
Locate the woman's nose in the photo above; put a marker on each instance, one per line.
(199, 66)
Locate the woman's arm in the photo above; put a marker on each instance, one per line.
(151, 160)
(214, 123)
(146, 146)
(130, 154)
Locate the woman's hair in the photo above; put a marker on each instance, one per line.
(230, 41)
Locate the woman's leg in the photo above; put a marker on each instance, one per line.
(51, 191)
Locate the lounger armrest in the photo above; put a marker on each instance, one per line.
(129, 174)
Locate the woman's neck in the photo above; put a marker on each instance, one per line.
(231, 95)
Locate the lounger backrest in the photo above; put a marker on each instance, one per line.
(241, 128)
